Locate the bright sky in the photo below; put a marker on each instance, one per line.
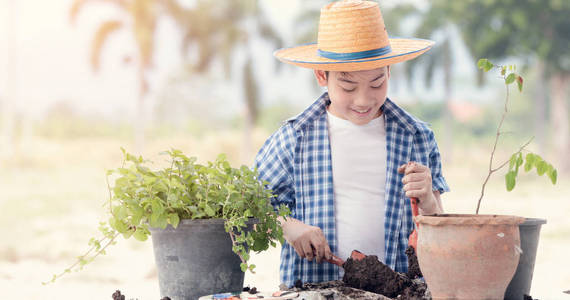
(51, 58)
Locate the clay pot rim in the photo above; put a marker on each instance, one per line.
(469, 219)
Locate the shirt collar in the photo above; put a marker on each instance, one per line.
(392, 112)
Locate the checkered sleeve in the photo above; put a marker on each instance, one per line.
(438, 181)
(274, 163)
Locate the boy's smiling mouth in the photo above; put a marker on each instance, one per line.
(362, 112)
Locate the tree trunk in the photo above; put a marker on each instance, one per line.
(559, 119)
(540, 107)
(139, 118)
(251, 109)
(447, 118)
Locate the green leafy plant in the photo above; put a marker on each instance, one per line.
(530, 160)
(141, 198)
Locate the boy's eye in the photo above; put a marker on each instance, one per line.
(378, 86)
(347, 87)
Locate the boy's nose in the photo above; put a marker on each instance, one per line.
(362, 101)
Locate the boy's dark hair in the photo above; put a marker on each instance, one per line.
(327, 72)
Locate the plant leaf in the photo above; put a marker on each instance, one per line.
(510, 78)
(512, 161)
(553, 174)
(209, 211)
(140, 235)
(529, 162)
(510, 180)
(174, 220)
(520, 83)
(541, 167)
(485, 64)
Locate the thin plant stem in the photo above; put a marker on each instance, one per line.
(83, 257)
(491, 170)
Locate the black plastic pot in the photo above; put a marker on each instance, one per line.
(196, 259)
(520, 284)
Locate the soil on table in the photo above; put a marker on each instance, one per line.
(339, 290)
(370, 274)
(118, 296)
(413, 265)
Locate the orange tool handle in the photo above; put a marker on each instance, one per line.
(355, 254)
(335, 260)
(413, 240)
(415, 210)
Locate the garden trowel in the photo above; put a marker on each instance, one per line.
(413, 240)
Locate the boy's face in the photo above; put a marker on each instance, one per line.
(356, 96)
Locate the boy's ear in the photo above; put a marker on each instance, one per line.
(321, 77)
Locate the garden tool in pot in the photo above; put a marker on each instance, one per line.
(413, 240)
(413, 264)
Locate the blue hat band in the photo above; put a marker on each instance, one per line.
(355, 55)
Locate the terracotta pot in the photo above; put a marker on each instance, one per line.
(468, 256)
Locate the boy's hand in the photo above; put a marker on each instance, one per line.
(417, 183)
(308, 241)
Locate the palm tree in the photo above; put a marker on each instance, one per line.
(141, 18)
(439, 57)
(217, 29)
(536, 31)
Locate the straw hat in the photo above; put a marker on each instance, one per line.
(353, 37)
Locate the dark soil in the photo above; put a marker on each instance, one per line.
(118, 296)
(252, 290)
(416, 291)
(370, 274)
(413, 265)
(340, 286)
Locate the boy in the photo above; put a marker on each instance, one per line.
(342, 165)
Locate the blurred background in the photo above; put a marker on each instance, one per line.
(79, 79)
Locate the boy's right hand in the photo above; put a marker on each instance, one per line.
(308, 241)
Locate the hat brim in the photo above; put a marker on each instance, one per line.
(306, 56)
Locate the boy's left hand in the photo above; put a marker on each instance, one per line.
(417, 183)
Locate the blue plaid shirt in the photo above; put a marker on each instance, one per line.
(296, 161)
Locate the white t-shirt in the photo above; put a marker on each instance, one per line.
(359, 180)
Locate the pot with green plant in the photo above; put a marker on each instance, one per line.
(201, 219)
(475, 256)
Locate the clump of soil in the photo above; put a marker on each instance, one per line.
(370, 274)
(337, 289)
(417, 291)
(118, 296)
(252, 290)
(413, 265)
